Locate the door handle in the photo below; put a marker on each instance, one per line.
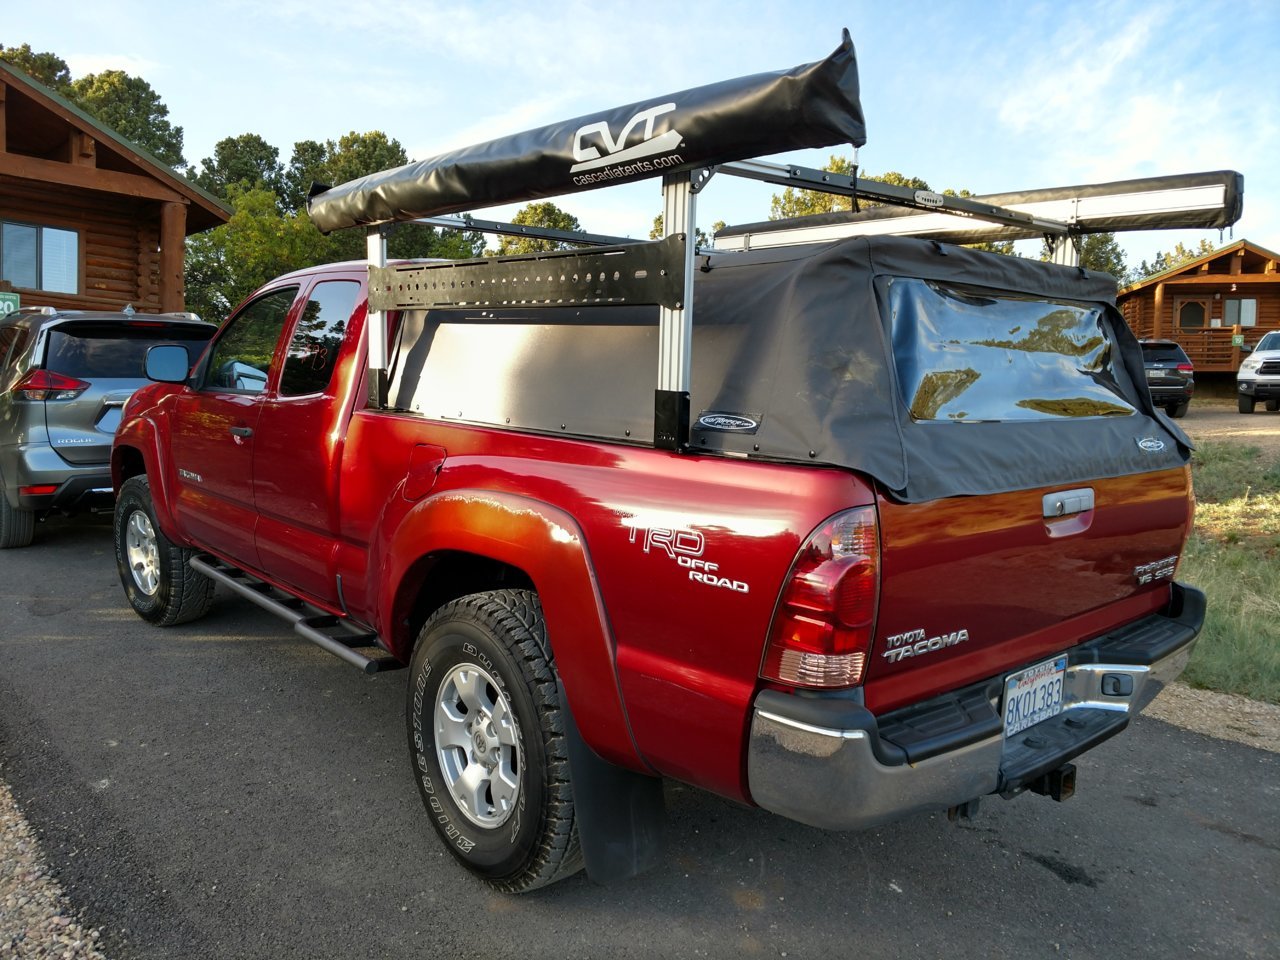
(242, 431)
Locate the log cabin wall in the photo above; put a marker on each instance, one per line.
(1185, 303)
(119, 244)
(88, 220)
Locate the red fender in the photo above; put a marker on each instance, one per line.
(142, 435)
(548, 545)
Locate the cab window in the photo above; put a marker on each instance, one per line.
(241, 357)
(317, 338)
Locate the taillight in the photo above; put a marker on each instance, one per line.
(824, 623)
(1186, 368)
(47, 385)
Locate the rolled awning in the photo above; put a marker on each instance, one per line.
(815, 105)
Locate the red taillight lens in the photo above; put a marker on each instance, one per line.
(823, 627)
(40, 490)
(47, 385)
(1186, 368)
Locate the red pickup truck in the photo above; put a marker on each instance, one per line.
(916, 546)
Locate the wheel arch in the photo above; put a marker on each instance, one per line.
(467, 541)
(137, 451)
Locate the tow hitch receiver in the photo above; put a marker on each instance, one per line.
(1059, 784)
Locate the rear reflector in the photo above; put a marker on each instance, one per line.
(47, 385)
(39, 490)
(824, 623)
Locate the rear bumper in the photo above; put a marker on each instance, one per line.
(1162, 395)
(831, 763)
(37, 464)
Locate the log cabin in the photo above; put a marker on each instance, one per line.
(1210, 304)
(88, 220)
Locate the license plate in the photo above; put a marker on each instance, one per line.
(1033, 695)
(1154, 374)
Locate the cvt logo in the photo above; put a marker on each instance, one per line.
(617, 151)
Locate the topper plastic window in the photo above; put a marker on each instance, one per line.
(241, 357)
(40, 258)
(970, 355)
(317, 338)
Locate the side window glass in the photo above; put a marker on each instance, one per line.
(317, 339)
(241, 357)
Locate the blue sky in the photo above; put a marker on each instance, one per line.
(987, 96)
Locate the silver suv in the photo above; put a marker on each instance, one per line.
(1259, 375)
(64, 378)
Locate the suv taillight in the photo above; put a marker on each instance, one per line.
(822, 629)
(47, 385)
(1186, 368)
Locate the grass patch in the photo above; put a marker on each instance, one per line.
(1234, 556)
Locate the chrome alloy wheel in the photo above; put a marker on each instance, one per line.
(478, 745)
(143, 553)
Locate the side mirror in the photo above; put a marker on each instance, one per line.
(1245, 348)
(168, 363)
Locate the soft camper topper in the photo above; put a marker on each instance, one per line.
(685, 138)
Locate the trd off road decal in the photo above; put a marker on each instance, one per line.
(686, 548)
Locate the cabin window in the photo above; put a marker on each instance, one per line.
(1243, 312)
(40, 258)
(1191, 314)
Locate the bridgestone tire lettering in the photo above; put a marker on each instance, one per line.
(502, 632)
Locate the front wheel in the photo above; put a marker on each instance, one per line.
(156, 574)
(487, 741)
(1245, 403)
(1273, 405)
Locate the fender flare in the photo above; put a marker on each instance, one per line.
(547, 544)
(143, 435)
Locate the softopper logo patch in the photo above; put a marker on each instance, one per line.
(590, 137)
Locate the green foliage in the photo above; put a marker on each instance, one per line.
(130, 107)
(226, 264)
(47, 68)
(350, 157)
(245, 161)
(1169, 259)
(540, 214)
(1098, 251)
(1232, 556)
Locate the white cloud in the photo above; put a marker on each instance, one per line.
(85, 63)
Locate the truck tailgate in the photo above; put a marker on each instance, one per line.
(975, 586)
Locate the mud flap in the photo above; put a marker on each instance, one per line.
(621, 813)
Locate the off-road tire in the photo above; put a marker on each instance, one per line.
(1179, 410)
(1245, 403)
(500, 634)
(180, 594)
(17, 526)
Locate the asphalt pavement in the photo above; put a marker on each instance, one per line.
(226, 790)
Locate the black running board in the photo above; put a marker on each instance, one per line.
(337, 635)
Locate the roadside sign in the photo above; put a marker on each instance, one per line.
(1237, 339)
(8, 303)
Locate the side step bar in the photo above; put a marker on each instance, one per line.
(337, 635)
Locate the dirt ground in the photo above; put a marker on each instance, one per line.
(1214, 419)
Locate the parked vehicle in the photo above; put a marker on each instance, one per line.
(1259, 375)
(64, 377)
(896, 530)
(1170, 375)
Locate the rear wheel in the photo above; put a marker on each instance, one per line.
(156, 574)
(1179, 410)
(17, 526)
(487, 741)
(1245, 403)
(1273, 405)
